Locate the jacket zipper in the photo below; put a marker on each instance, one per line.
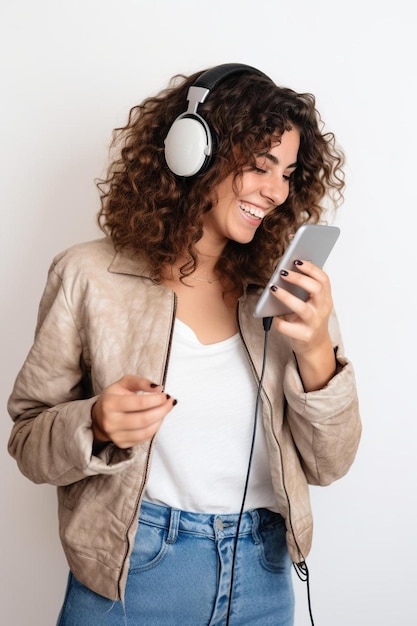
(145, 474)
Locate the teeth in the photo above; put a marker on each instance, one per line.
(252, 211)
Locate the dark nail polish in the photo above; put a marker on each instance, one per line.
(175, 402)
(284, 273)
(167, 396)
(153, 385)
(298, 262)
(274, 288)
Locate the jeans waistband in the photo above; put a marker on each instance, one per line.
(210, 525)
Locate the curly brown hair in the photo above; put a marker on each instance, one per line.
(146, 208)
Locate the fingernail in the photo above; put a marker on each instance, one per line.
(174, 402)
(274, 288)
(153, 385)
(167, 396)
(298, 262)
(284, 273)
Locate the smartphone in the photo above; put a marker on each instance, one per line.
(311, 242)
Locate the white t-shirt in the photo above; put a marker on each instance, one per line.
(201, 452)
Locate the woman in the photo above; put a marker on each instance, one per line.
(139, 397)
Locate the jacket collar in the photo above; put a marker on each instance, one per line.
(128, 262)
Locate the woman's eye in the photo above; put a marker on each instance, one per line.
(259, 170)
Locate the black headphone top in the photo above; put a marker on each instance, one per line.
(212, 77)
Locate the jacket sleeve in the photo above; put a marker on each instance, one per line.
(51, 402)
(325, 424)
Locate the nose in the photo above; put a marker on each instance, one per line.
(275, 188)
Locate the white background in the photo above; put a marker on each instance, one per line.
(70, 71)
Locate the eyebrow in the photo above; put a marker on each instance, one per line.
(274, 160)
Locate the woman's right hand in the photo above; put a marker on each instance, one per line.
(130, 411)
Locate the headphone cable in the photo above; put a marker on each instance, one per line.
(300, 568)
(303, 574)
(267, 322)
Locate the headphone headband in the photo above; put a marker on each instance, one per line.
(215, 75)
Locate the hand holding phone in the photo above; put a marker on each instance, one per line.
(311, 242)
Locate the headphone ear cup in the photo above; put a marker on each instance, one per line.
(188, 146)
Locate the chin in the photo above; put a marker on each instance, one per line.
(243, 240)
(244, 236)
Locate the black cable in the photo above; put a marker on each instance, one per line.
(267, 322)
(303, 574)
(301, 569)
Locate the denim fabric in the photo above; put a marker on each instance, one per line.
(180, 572)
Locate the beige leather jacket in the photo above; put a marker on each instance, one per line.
(101, 317)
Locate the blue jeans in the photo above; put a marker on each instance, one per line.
(180, 572)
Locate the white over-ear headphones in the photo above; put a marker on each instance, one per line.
(189, 142)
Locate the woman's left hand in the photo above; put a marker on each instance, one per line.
(307, 326)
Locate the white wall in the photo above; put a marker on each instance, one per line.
(70, 71)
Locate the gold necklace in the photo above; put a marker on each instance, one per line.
(203, 280)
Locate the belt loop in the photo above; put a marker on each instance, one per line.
(255, 526)
(174, 521)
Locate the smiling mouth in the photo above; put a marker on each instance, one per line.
(252, 211)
